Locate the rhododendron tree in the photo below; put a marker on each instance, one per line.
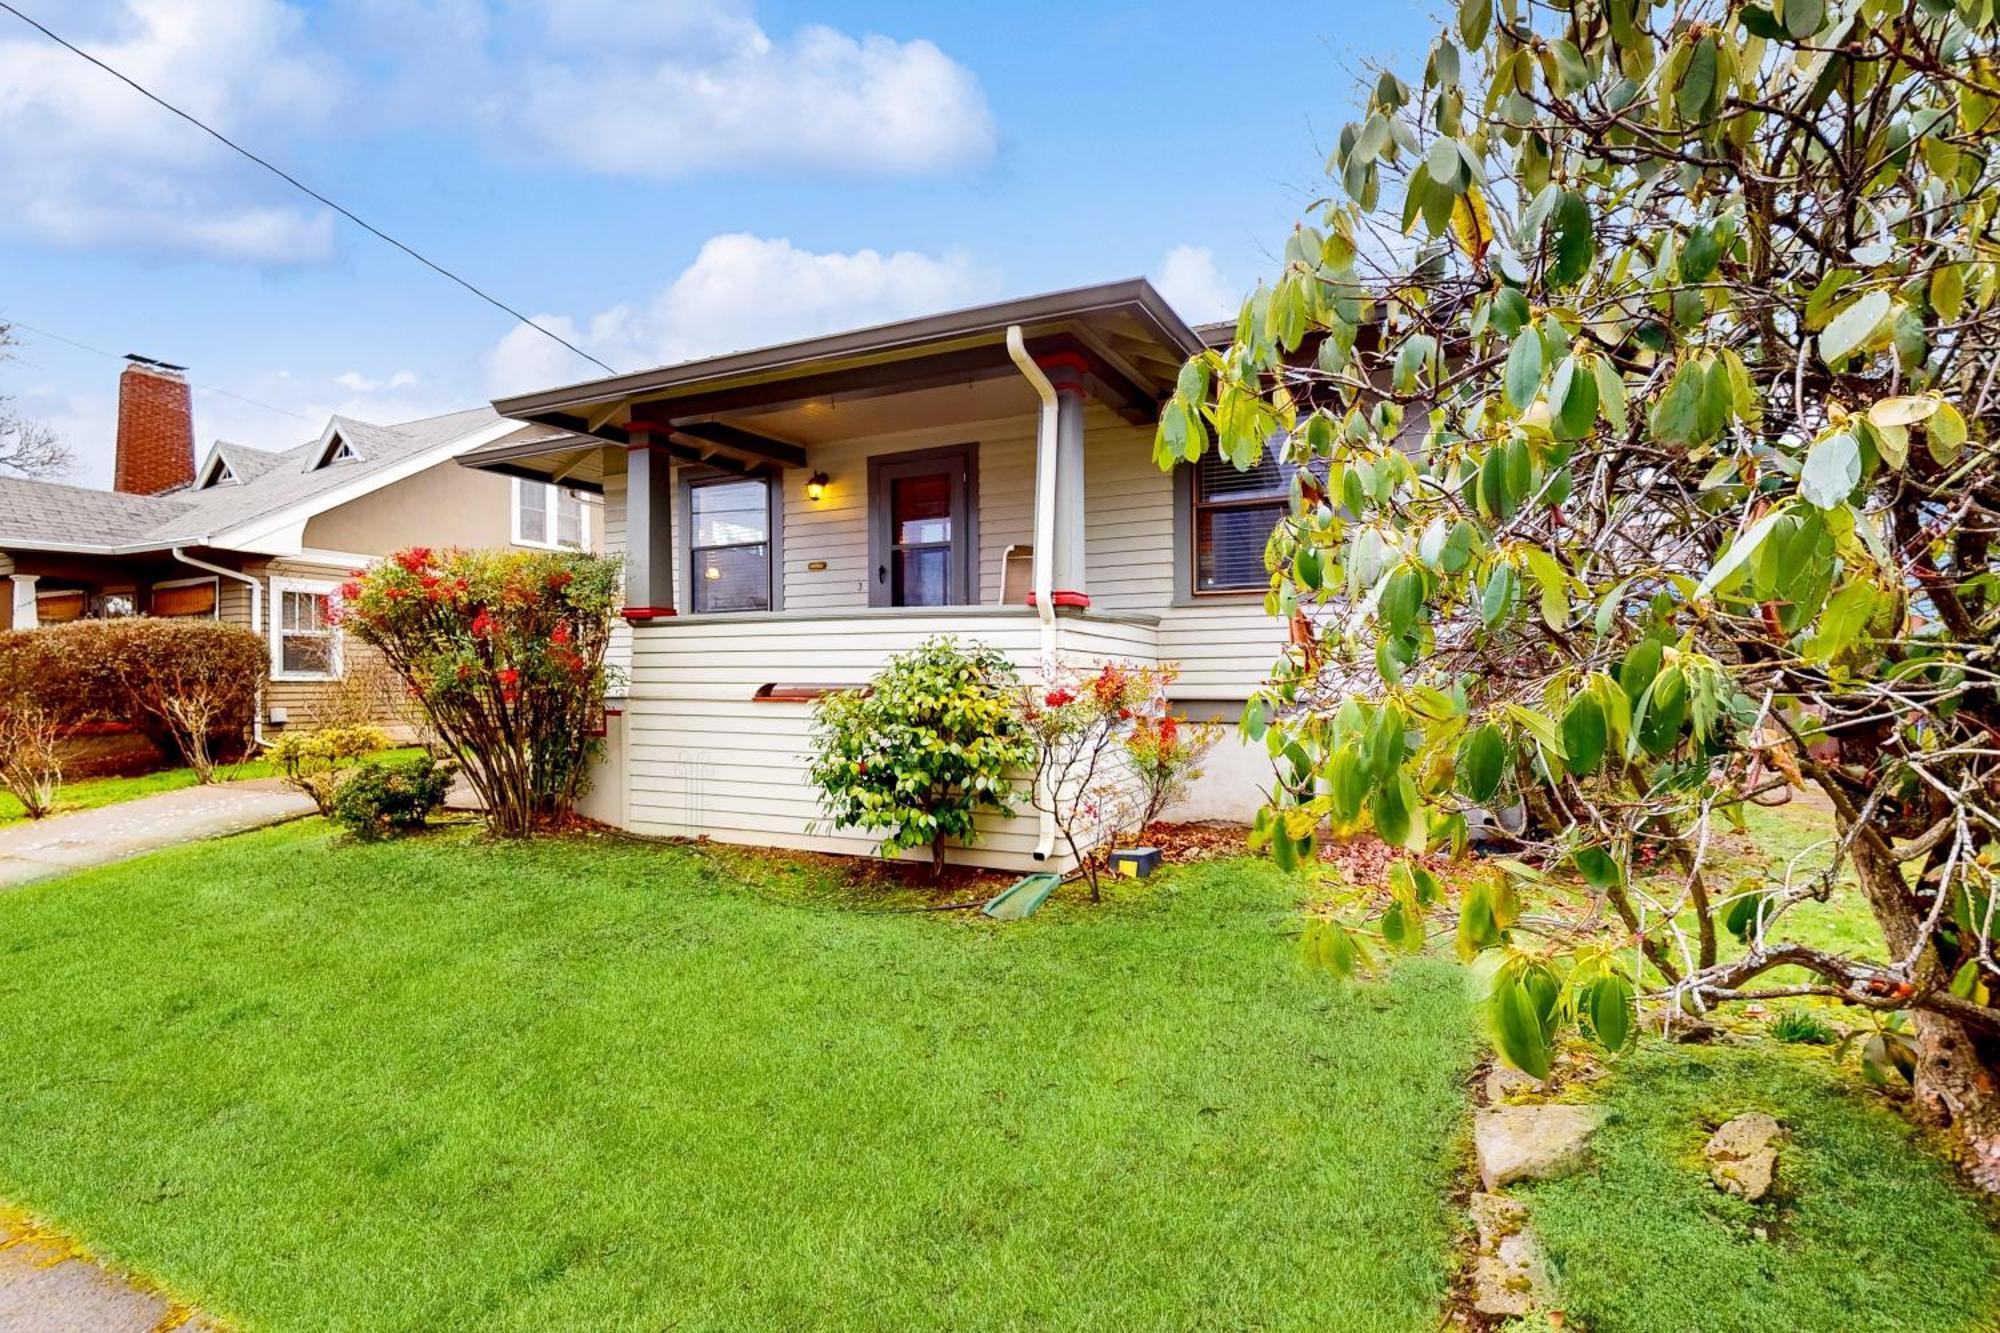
(1638, 381)
(504, 652)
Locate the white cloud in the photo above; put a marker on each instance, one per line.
(1195, 287)
(742, 291)
(88, 161)
(644, 89)
(355, 382)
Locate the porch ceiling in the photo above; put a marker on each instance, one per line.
(761, 408)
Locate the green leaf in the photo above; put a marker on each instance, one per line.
(1446, 165)
(1664, 712)
(1611, 400)
(1524, 369)
(1735, 562)
(1740, 917)
(1697, 89)
(1509, 312)
(1474, 18)
(1349, 782)
(1944, 434)
(1583, 735)
(1637, 671)
(1847, 614)
(1599, 868)
(1575, 242)
(1574, 394)
(1478, 927)
(1802, 18)
(1393, 807)
(1853, 327)
(1482, 761)
(1496, 599)
(1832, 471)
(1517, 1029)
(1611, 1007)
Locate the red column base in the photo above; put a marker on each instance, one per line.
(1061, 598)
(636, 613)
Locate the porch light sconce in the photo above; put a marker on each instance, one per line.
(816, 487)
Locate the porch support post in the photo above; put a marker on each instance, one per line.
(649, 528)
(26, 613)
(1066, 372)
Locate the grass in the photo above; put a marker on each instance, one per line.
(96, 793)
(444, 1083)
(1867, 1229)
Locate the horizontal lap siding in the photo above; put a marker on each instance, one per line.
(619, 655)
(704, 760)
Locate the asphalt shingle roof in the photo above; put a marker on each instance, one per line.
(267, 483)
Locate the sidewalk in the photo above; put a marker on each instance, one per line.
(35, 849)
(48, 1286)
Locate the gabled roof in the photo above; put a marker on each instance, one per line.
(271, 488)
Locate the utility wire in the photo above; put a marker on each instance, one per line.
(301, 186)
(9, 321)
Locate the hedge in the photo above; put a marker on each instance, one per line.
(131, 670)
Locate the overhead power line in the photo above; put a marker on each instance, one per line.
(10, 322)
(301, 186)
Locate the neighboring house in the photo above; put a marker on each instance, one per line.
(794, 515)
(259, 538)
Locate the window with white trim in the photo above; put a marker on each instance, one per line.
(305, 640)
(730, 544)
(549, 515)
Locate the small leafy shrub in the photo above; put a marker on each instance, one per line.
(382, 797)
(504, 652)
(190, 685)
(923, 750)
(1080, 723)
(318, 762)
(1803, 1027)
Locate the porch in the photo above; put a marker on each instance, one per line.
(793, 517)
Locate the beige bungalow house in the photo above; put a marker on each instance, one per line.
(263, 538)
(793, 515)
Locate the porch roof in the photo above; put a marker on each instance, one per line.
(753, 408)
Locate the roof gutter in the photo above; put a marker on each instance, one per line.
(1045, 535)
(256, 623)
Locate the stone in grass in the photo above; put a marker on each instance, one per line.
(1743, 1155)
(1510, 1273)
(1502, 1079)
(1532, 1142)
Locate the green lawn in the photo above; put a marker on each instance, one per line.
(95, 793)
(446, 1084)
(1866, 1229)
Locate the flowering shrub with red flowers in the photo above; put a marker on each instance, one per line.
(1080, 721)
(1165, 752)
(504, 651)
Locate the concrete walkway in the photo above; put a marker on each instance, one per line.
(34, 849)
(48, 1286)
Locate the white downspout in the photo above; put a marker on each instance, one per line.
(1045, 533)
(256, 624)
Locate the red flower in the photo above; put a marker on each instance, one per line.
(560, 634)
(561, 579)
(414, 559)
(350, 590)
(508, 675)
(1056, 698)
(482, 624)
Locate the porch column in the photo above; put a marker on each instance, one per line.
(649, 528)
(26, 615)
(1068, 587)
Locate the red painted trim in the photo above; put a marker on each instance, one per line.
(1076, 361)
(647, 612)
(1059, 597)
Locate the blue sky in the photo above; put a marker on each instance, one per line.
(662, 178)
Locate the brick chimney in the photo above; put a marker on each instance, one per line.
(155, 428)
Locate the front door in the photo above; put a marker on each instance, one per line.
(920, 538)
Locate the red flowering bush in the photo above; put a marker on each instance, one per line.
(1079, 722)
(504, 651)
(1165, 752)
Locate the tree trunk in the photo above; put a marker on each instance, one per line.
(1958, 1076)
(1959, 1088)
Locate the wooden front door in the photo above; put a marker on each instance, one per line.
(921, 528)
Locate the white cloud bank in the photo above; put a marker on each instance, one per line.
(1194, 286)
(90, 162)
(741, 291)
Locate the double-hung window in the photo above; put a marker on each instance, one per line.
(305, 641)
(729, 522)
(1234, 516)
(549, 515)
